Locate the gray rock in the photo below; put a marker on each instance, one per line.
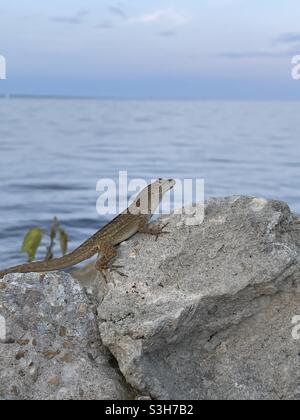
(52, 349)
(206, 311)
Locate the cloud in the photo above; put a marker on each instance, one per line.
(104, 25)
(77, 18)
(169, 16)
(289, 37)
(259, 54)
(118, 11)
(66, 19)
(167, 34)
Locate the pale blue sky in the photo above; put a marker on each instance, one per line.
(151, 48)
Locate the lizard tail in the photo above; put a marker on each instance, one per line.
(75, 257)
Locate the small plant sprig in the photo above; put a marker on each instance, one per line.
(33, 239)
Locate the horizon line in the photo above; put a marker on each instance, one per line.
(140, 98)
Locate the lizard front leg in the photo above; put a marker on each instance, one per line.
(103, 263)
(156, 231)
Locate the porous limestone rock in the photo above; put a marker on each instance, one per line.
(206, 311)
(51, 349)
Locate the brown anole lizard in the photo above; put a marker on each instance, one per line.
(131, 221)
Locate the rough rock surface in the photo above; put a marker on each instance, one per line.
(52, 349)
(206, 311)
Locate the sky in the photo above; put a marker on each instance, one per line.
(198, 49)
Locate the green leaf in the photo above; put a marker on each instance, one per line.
(32, 242)
(63, 241)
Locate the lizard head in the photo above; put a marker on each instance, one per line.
(149, 199)
(164, 185)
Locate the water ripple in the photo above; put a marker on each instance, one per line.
(52, 152)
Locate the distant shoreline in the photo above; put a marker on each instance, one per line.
(137, 99)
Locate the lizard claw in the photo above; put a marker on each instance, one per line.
(103, 273)
(161, 231)
(112, 268)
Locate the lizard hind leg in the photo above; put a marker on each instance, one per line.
(104, 263)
